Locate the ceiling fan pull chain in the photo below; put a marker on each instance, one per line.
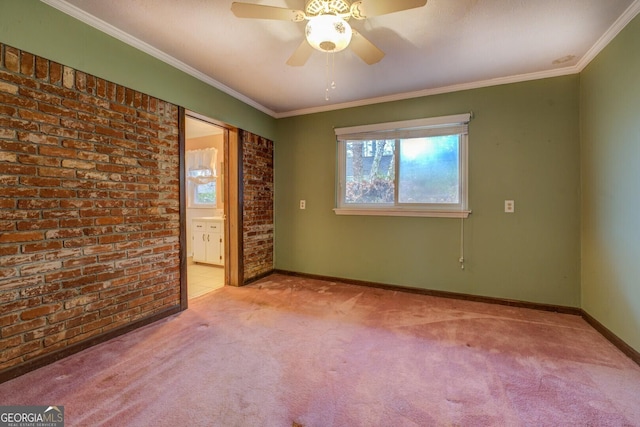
(326, 89)
(333, 71)
(330, 75)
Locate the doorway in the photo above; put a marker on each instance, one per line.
(205, 220)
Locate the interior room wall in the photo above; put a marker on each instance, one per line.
(523, 145)
(610, 102)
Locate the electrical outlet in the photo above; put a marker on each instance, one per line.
(509, 206)
(303, 204)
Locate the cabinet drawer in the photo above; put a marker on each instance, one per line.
(214, 227)
(199, 226)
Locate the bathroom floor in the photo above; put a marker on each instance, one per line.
(203, 278)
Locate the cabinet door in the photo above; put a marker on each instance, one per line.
(215, 252)
(213, 248)
(199, 242)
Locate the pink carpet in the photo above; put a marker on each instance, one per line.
(288, 351)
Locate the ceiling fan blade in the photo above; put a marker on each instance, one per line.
(257, 11)
(301, 55)
(366, 50)
(363, 9)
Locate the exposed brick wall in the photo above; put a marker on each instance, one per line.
(89, 206)
(258, 225)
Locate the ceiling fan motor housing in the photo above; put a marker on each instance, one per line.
(321, 7)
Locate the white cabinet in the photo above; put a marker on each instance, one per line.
(207, 235)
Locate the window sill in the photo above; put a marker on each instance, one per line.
(402, 212)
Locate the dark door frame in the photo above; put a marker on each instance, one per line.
(232, 199)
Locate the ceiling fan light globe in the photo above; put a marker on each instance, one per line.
(328, 33)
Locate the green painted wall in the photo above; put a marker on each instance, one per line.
(523, 145)
(610, 129)
(37, 28)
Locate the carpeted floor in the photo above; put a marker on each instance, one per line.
(288, 351)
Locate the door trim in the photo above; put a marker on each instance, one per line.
(232, 182)
(184, 297)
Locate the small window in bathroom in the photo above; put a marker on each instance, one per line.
(202, 177)
(204, 194)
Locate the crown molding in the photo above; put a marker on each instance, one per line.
(435, 91)
(609, 35)
(624, 19)
(109, 29)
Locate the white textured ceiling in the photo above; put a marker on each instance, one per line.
(443, 46)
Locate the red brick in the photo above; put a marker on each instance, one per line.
(36, 225)
(13, 169)
(21, 237)
(34, 181)
(40, 311)
(103, 277)
(21, 304)
(58, 152)
(56, 172)
(79, 281)
(18, 214)
(28, 159)
(38, 204)
(36, 116)
(82, 320)
(58, 296)
(12, 59)
(56, 93)
(65, 315)
(42, 68)
(21, 327)
(75, 243)
(8, 319)
(10, 342)
(38, 334)
(62, 275)
(55, 73)
(39, 268)
(19, 351)
(42, 246)
(97, 324)
(81, 300)
(36, 138)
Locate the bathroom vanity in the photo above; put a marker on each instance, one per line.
(207, 234)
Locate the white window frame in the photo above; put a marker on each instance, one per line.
(433, 126)
(192, 203)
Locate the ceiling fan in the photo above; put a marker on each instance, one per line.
(327, 28)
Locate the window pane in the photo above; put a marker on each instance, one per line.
(428, 170)
(205, 193)
(370, 172)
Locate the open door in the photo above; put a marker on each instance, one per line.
(208, 201)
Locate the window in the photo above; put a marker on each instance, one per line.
(202, 177)
(203, 194)
(410, 168)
